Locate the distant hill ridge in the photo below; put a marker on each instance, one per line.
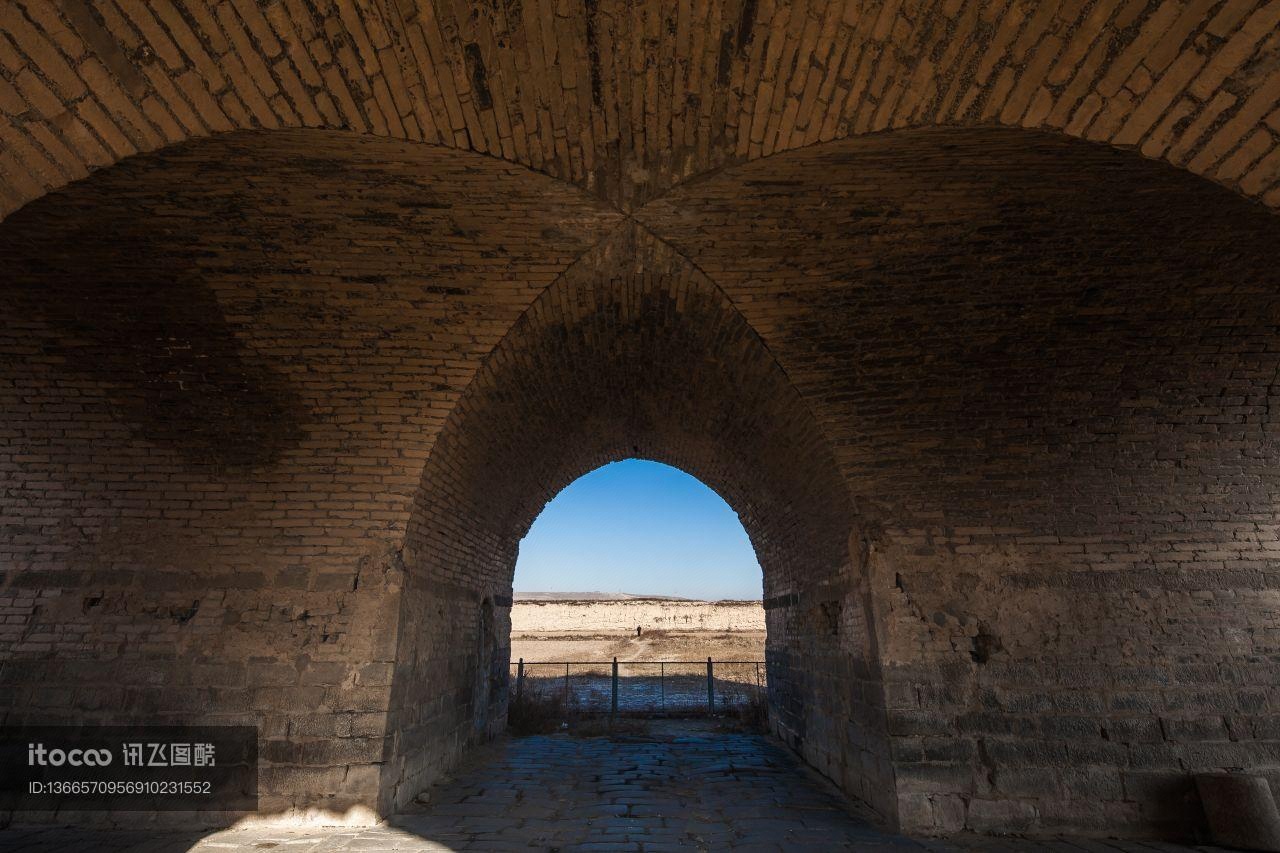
(600, 596)
(593, 596)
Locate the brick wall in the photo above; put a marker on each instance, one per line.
(633, 352)
(994, 407)
(1047, 370)
(220, 371)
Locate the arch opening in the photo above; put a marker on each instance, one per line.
(639, 527)
(633, 352)
(636, 570)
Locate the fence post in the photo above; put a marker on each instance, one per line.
(711, 689)
(519, 681)
(662, 684)
(566, 683)
(613, 709)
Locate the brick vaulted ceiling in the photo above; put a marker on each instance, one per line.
(316, 302)
(627, 98)
(432, 262)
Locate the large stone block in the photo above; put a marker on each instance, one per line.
(1240, 810)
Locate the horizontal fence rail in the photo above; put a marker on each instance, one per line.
(642, 687)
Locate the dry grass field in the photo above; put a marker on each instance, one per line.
(588, 627)
(649, 646)
(568, 648)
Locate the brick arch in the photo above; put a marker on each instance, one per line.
(221, 368)
(633, 352)
(1049, 367)
(628, 99)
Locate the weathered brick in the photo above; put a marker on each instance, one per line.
(496, 86)
(993, 404)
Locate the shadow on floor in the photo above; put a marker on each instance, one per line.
(672, 785)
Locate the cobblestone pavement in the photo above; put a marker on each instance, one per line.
(691, 790)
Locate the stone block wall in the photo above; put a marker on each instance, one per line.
(995, 408)
(826, 688)
(307, 660)
(1025, 700)
(450, 682)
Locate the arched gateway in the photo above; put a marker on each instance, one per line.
(994, 404)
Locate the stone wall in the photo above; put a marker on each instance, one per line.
(306, 659)
(995, 408)
(624, 616)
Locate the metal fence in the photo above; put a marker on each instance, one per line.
(650, 687)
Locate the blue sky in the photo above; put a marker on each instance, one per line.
(639, 527)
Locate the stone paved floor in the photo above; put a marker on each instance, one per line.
(666, 790)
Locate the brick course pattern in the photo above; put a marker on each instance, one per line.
(994, 404)
(1046, 371)
(632, 352)
(218, 391)
(626, 97)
